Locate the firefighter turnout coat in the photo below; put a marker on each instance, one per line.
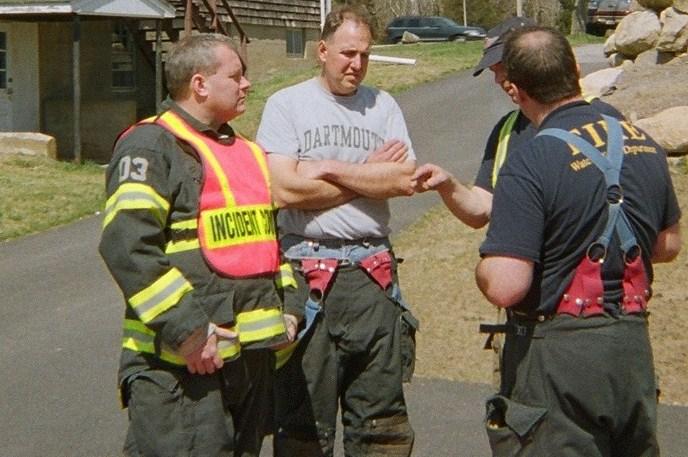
(189, 237)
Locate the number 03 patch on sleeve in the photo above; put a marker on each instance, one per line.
(132, 168)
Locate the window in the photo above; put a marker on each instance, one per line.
(295, 43)
(123, 76)
(3, 60)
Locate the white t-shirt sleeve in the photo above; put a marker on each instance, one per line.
(396, 125)
(276, 132)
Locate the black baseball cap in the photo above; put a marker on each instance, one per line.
(494, 41)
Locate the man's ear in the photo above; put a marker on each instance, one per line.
(198, 85)
(512, 91)
(322, 51)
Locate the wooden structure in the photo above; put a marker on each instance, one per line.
(60, 73)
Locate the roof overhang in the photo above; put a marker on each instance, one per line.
(138, 9)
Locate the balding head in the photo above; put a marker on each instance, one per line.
(540, 61)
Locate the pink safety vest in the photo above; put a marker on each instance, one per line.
(236, 223)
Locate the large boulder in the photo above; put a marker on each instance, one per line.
(657, 5)
(674, 34)
(645, 90)
(669, 128)
(602, 82)
(653, 57)
(681, 6)
(635, 6)
(610, 45)
(617, 59)
(28, 143)
(637, 32)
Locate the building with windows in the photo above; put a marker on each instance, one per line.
(83, 70)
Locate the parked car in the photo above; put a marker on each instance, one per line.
(432, 28)
(606, 14)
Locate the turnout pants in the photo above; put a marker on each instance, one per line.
(350, 357)
(175, 413)
(575, 387)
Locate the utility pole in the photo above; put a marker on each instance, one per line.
(519, 8)
(465, 20)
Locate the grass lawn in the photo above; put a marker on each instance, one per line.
(54, 193)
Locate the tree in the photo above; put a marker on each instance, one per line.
(486, 13)
(383, 11)
(579, 16)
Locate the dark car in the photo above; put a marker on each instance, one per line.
(432, 28)
(606, 14)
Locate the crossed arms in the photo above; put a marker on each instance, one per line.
(323, 184)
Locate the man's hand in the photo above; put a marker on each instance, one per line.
(311, 169)
(200, 350)
(378, 180)
(292, 324)
(391, 151)
(471, 206)
(430, 177)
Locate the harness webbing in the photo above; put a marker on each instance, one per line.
(610, 166)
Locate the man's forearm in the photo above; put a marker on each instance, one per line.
(312, 194)
(380, 180)
(471, 206)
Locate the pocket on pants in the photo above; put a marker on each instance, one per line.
(510, 425)
(409, 326)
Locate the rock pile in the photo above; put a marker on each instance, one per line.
(655, 31)
(649, 81)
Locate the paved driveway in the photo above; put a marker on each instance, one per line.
(60, 316)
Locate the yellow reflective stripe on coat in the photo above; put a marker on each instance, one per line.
(260, 324)
(136, 196)
(183, 133)
(181, 246)
(161, 295)
(503, 145)
(188, 224)
(238, 225)
(285, 277)
(139, 338)
(282, 355)
(185, 244)
(228, 349)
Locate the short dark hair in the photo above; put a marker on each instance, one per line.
(337, 17)
(540, 61)
(190, 55)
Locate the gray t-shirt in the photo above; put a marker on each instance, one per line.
(306, 122)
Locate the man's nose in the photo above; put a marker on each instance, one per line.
(245, 83)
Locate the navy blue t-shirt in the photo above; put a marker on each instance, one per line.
(521, 133)
(550, 204)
